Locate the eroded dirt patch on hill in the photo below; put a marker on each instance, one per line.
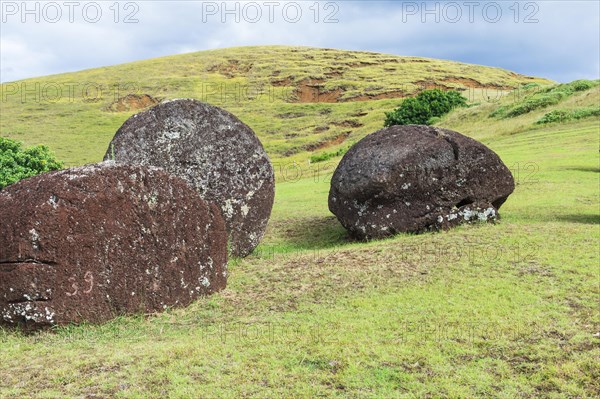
(282, 82)
(132, 102)
(379, 96)
(348, 123)
(231, 68)
(338, 139)
(474, 84)
(313, 91)
(430, 85)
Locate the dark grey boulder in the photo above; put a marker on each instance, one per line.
(414, 179)
(214, 152)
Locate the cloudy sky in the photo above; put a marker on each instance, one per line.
(554, 39)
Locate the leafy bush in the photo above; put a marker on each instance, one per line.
(433, 120)
(554, 116)
(17, 163)
(585, 113)
(499, 112)
(324, 156)
(535, 102)
(426, 105)
(529, 86)
(582, 85)
(564, 116)
(544, 97)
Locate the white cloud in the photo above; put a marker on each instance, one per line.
(562, 45)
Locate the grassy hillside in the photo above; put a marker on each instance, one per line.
(299, 100)
(486, 311)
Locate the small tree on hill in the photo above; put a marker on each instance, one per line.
(426, 105)
(17, 163)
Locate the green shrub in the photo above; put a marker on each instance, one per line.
(564, 116)
(499, 112)
(554, 116)
(535, 102)
(529, 86)
(585, 112)
(324, 156)
(583, 85)
(426, 105)
(543, 98)
(17, 163)
(433, 120)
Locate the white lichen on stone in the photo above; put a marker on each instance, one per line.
(28, 311)
(244, 208)
(152, 200)
(362, 208)
(228, 208)
(53, 201)
(171, 135)
(484, 215)
(35, 237)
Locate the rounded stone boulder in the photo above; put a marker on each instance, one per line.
(94, 242)
(417, 178)
(214, 152)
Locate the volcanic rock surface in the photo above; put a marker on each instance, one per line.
(94, 242)
(215, 152)
(417, 178)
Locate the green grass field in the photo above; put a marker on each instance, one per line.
(483, 311)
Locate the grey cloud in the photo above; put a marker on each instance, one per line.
(562, 45)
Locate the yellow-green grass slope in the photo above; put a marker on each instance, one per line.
(263, 86)
(488, 311)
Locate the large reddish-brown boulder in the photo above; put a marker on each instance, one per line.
(94, 242)
(417, 178)
(215, 152)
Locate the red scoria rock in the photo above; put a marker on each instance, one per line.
(94, 242)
